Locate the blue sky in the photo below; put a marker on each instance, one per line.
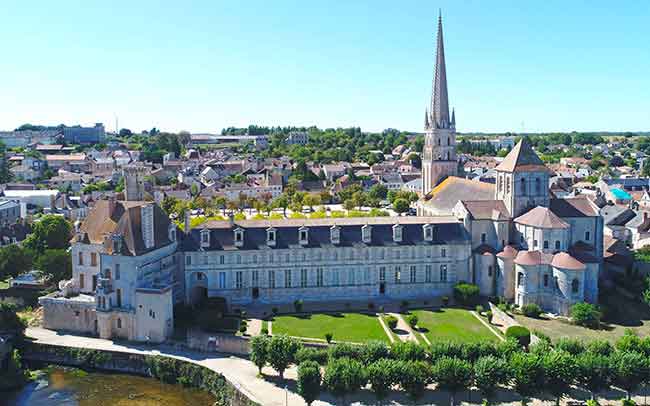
(203, 65)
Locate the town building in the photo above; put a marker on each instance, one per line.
(84, 135)
(298, 138)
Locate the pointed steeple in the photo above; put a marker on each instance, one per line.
(426, 119)
(439, 98)
(453, 117)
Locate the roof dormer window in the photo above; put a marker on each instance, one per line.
(239, 237)
(205, 238)
(397, 233)
(335, 234)
(303, 235)
(366, 234)
(427, 230)
(271, 236)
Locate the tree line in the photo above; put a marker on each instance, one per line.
(531, 371)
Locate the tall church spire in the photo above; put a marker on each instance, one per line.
(439, 98)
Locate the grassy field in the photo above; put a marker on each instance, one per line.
(352, 327)
(452, 325)
(621, 314)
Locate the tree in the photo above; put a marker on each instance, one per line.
(413, 378)
(559, 372)
(585, 314)
(594, 372)
(630, 370)
(125, 132)
(260, 351)
(282, 202)
(14, 260)
(489, 373)
(51, 232)
(408, 351)
(378, 191)
(382, 374)
(311, 201)
(401, 205)
(616, 161)
(56, 265)
(5, 174)
(343, 376)
(309, 381)
(452, 375)
(281, 352)
(466, 294)
(527, 373)
(9, 321)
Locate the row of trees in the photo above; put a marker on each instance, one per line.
(45, 249)
(540, 369)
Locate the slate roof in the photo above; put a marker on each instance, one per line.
(445, 231)
(541, 217)
(616, 215)
(522, 158)
(573, 207)
(124, 219)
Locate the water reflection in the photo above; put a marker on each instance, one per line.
(69, 386)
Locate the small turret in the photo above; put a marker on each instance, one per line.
(426, 119)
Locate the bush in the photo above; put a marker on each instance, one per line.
(479, 309)
(408, 351)
(343, 376)
(345, 350)
(519, 333)
(391, 322)
(586, 315)
(373, 351)
(297, 305)
(412, 320)
(542, 336)
(405, 304)
(466, 294)
(328, 337)
(317, 355)
(531, 310)
(440, 349)
(371, 306)
(572, 346)
(274, 310)
(382, 374)
(260, 351)
(489, 315)
(503, 307)
(413, 378)
(282, 351)
(309, 380)
(600, 347)
(444, 301)
(264, 331)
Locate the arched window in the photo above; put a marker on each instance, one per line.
(575, 284)
(520, 279)
(557, 244)
(438, 141)
(538, 185)
(448, 141)
(523, 185)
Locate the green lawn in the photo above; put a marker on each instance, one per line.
(352, 327)
(621, 314)
(4, 284)
(452, 325)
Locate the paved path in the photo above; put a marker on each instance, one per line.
(254, 327)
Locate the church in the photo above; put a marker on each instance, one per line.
(527, 245)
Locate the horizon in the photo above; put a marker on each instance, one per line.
(213, 66)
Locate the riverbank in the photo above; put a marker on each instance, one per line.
(168, 370)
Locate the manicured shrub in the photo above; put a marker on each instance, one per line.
(570, 345)
(381, 375)
(489, 315)
(297, 305)
(413, 378)
(527, 373)
(519, 333)
(412, 320)
(594, 371)
(586, 315)
(391, 322)
(274, 310)
(560, 371)
(264, 331)
(506, 349)
(373, 351)
(408, 351)
(503, 307)
(453, 375)
(479, 309)
(531, 310)
(345, 350)
(602, 347)
(343, 376)
(309, 381)
(441, 349)
(466, 294)
(489, 373)
(318, 355)
(629, 370)
(328, 337)
(444, 301)
(473, 351)
(542, 336)
(282, 352)
(629, 342)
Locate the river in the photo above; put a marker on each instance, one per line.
(62, 386)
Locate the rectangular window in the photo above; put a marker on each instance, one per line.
(545, 280)
(272, 279)
(443, 252)
(81, 258)
(319, 277)
(255, 278)
(222, 280)
(443, 273)
(398, 274)
(93, 259)
(238, 259)
(205, 260)
(222, 260)
(188, 260)
(303, 278)
(239, 279)
(545, 244)
(382, 274)
(271, 258)
(351, 279)
(483, 238)
(335, 277)
(397, 254)
(413, 273)
(427, 273)
(117, 272)
(534, 243)
(94, 282)
(287, 278)
(587, 235)
(82, 281)
(119, 297)
(366, 275)
(557, 244)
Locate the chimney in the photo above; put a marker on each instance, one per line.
(188, 223)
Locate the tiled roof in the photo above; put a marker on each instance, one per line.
(486, 209)
(454, 189)
(573, 207)
(533, 258)
(566, 261)
(522, 158)
(541, 217)
(508, 252)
